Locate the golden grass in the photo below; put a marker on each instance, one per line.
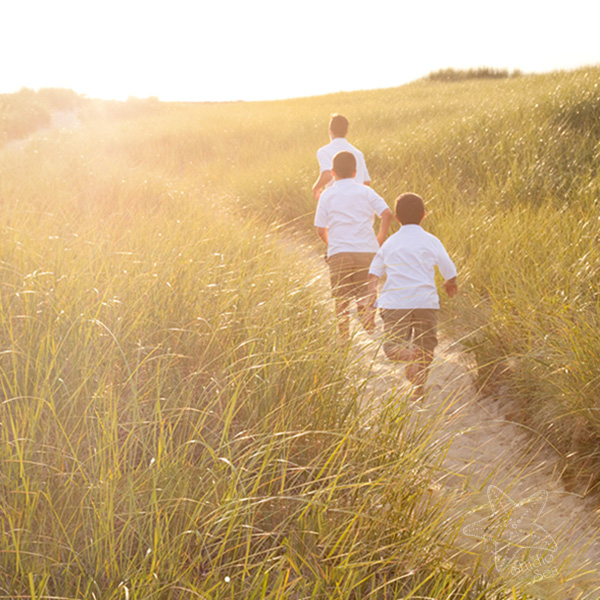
(176, 420)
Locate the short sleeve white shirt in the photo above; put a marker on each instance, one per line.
(326, 153)
(408, 260)
(348, 211)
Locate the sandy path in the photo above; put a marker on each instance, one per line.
(488, 449)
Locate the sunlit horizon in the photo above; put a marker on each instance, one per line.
(268, 51)
(122, 96)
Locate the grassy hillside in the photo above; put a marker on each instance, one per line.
(509, 169)
(177, 419)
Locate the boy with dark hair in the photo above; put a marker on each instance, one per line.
(409, 301)
(338, 125)
(344, 220)
(338, 130)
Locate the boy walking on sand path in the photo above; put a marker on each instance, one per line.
(338, 129)
(344, 220)
(409, 300)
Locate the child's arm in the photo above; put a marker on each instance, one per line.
(451, 287)
(322, 231)
(384, 226)
(448, 270)
(324, 178)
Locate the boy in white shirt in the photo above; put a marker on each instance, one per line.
(409, 300)
(338, 130)
(344, 221)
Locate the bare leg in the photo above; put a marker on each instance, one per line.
(418, 370)
(366, 314)
(343, 318)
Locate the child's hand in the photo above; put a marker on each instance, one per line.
(451, 287)
(322, 232)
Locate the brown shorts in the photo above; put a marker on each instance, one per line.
(401, 326)
(349, 273)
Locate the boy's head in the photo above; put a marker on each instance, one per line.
(344, 165)
(410, 209)
(338, 126)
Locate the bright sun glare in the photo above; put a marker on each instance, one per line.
(268, 49)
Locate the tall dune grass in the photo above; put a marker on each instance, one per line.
(177, 419)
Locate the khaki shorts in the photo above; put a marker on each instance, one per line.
(419, 325)
(349, 273)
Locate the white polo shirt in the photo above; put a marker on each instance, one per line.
(348, 210)
(408, 260)
(326, 153)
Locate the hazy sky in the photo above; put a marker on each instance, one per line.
(268, 49)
